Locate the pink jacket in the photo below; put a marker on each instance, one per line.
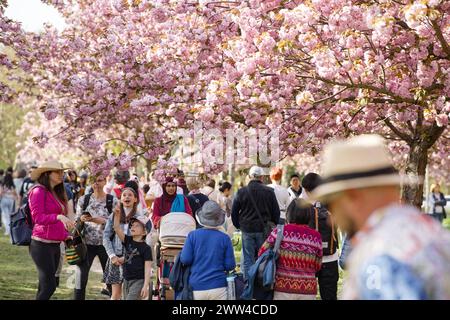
(44, 210)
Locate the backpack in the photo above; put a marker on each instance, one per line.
(22, 225)
(325, 225)
(109, 202)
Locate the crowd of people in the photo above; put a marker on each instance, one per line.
(355, 203)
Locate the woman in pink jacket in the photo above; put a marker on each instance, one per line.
(48, 206)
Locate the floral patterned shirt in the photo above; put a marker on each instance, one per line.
(399, 254)
(94, 231)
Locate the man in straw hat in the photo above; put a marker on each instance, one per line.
(398, 252)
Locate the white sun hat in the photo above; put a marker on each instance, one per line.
(359, 162)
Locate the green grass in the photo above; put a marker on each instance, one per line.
(19, 280)
(446, 223)
(18, 275)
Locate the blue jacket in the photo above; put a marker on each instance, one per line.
(179, 280)
(250, 291)
(210, 255)
(264, 267)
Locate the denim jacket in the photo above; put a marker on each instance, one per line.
(114, 247)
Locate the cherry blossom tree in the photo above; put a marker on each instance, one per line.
(325, 69)
(133, 72)
(122, 72)
(33, 148)
(14, 81)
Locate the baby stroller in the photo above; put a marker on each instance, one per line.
(173, 231)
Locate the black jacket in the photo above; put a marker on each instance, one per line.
(243, 213)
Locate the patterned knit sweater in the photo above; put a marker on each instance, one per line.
(300, 257)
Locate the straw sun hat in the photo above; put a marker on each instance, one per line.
(359, 162)
(45, 167)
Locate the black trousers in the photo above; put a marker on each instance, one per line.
(46, 257)
(328, 280)
(82, 270)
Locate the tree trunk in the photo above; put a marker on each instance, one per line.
(417, 162)
(148, 164)
(412, 191)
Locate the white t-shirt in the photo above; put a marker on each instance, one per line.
(283, 198)
(294, 196)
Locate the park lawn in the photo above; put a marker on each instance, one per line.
(18, 276)
(446, 223)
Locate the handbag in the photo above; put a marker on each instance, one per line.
(261, 276)
(268, 226)
(265, 277)
(239, 284)
(76, 249)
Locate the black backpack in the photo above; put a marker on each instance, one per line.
(323, 223)
(22, 225)
(109, 202)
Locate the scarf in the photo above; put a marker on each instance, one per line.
(178, 204)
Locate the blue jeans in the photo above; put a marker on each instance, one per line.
(7, 205)
(251, 242)
(438, 217)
